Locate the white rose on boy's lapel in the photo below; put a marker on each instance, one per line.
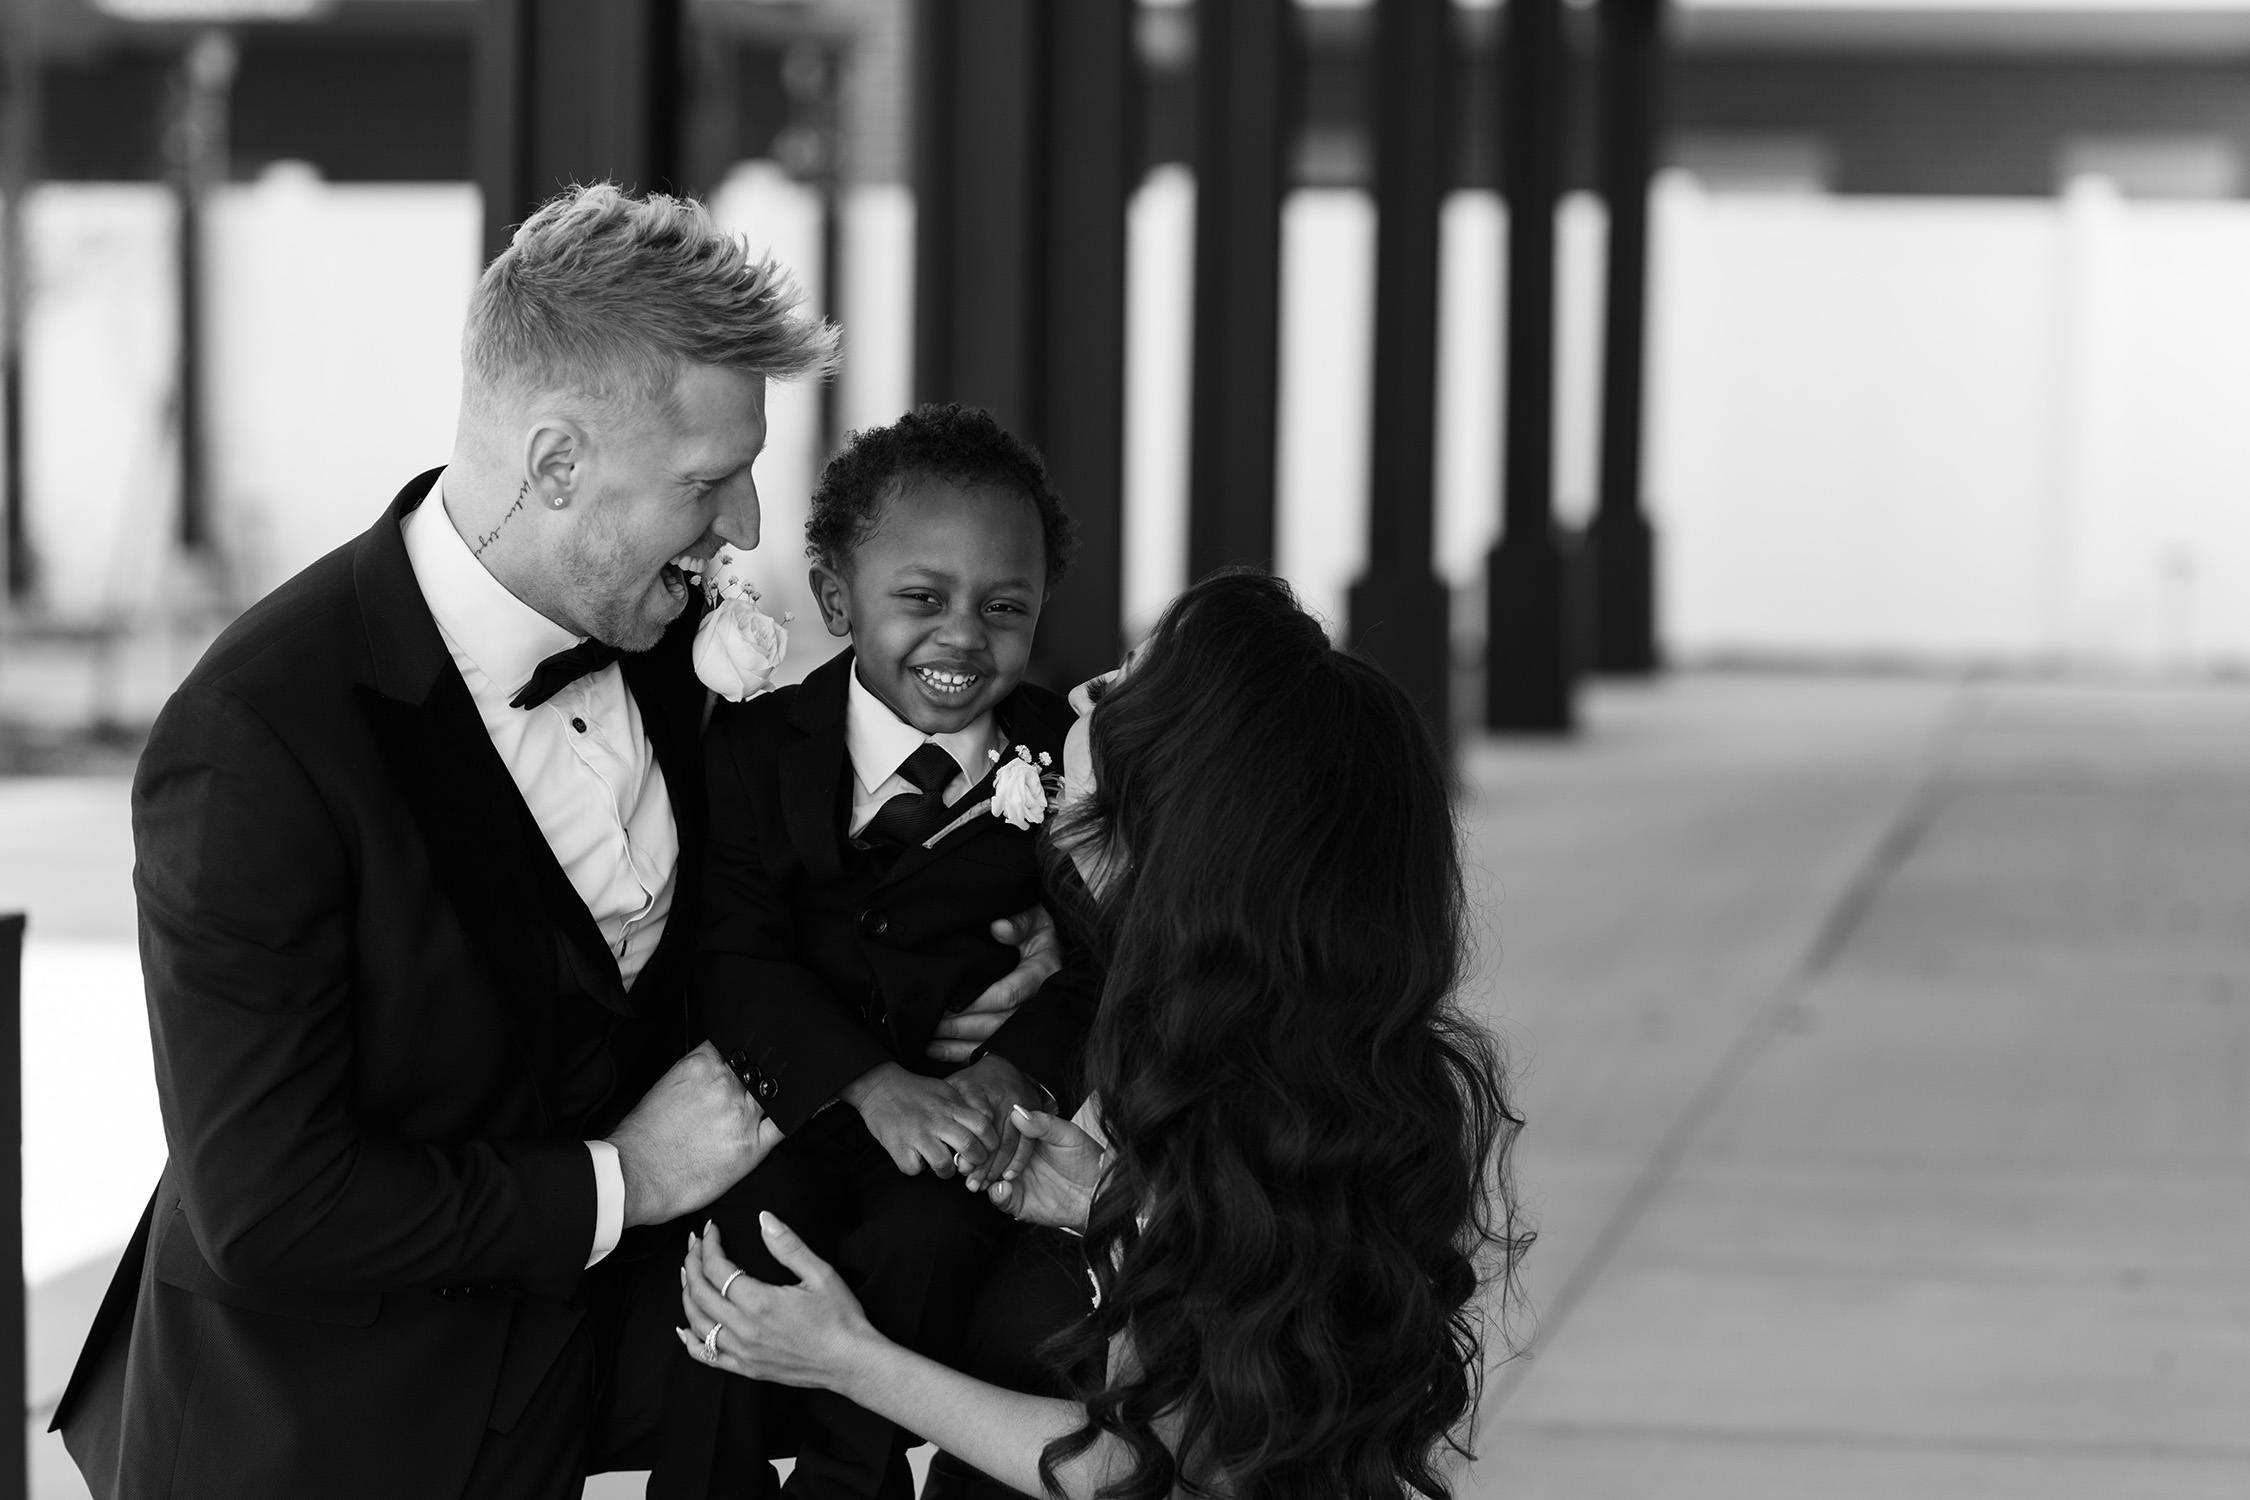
(737, 645)
(1018, 793)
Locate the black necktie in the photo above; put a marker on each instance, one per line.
(562, 669)
(911, 817)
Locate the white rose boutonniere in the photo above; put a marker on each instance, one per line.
(1019, 788)
(1024, 790)
(737, 645)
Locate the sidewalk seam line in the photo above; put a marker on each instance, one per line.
(1917, 812)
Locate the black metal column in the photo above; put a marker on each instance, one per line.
(14, 1470)
(978, 271)
(1623, 562)
(1529, 666)
(1399, 610)
(1091, 162)
(19, 168)
(196, 144)
(573, 91)
(812, 150)
(1023, 170)
(1243, 117)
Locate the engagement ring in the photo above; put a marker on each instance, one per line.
(711, 1346)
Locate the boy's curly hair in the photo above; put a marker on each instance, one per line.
(961, 444)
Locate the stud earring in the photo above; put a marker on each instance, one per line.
(557, 502)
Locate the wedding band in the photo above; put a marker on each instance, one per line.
(727, 1283)
(711, 1346)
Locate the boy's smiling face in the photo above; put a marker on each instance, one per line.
(941, 599)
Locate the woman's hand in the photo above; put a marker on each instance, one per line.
(1052, 1178)
(810, 1334)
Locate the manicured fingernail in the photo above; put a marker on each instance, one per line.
(1018, 1111)
(767, 1221)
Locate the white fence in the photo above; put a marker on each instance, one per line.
(1886, 428)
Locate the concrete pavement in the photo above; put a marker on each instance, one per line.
(1887, 1054)
(1886, 1048)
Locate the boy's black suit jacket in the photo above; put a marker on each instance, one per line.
(363, 966)
(819, 961)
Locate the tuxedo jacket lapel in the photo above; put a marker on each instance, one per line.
(812, 768)
(413, 665)
(484, 846)
(517, 905)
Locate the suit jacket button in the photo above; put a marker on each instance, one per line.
(739, 1061)
(765, 1090)
(874, 921)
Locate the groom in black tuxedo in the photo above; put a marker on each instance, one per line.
(417, 846)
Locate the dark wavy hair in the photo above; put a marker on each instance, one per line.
(963, 444)
(1311, 1182)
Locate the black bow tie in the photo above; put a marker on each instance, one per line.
(562, 669)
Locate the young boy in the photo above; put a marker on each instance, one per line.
(858, 858)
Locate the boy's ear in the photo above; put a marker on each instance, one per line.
(834, 599)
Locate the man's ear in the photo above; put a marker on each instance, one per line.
(554, 452)
(834, 597)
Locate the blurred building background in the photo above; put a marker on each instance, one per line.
(1946, 326)
(1944, 371)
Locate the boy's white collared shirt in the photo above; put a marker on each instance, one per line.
(880, 741)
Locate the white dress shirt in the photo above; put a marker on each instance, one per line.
(581, 760)
(880, 741)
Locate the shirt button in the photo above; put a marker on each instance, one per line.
(579, 725)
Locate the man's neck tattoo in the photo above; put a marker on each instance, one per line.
(487, 538)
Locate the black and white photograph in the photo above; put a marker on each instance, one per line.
(1125, 749)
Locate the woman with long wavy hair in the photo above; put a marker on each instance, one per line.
(1291, 1174)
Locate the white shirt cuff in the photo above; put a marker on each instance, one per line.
(609, 1200)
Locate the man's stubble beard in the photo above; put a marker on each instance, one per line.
(592, 577)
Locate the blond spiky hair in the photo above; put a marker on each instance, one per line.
(606, 297)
